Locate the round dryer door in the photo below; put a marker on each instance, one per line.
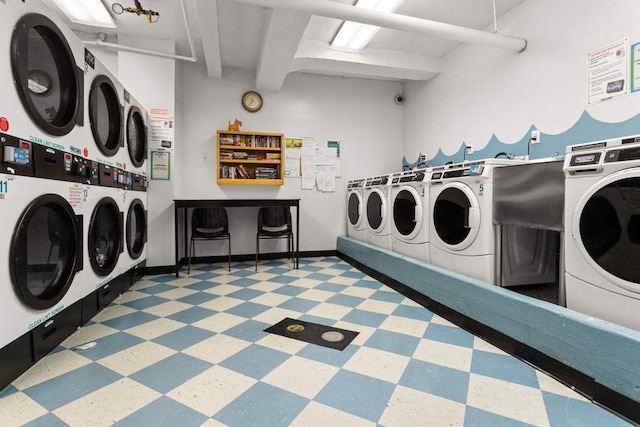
(136, 137)
(105, 237)
(105, 115)
(607, 222)
(44, 72)
(354, 209)
(456, 216)
(46, 251)
(376, 210)
(136, 228)
(407, 212)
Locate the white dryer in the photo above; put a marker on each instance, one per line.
(42, 77)
(602, 230)
(377, 199)
(135, 230)
(356, 228)
(462, 230)
(410, 213)
(136, 135)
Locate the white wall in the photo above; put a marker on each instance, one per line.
(483, 90)
(359, 113)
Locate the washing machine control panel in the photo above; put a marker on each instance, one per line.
(79, 169)
(140, 182)
(16, 156)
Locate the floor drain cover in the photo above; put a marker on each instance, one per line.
(314, 333)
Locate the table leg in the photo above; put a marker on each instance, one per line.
(298, 236)
(175, 232)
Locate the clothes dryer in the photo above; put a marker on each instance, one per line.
(410, 213)
(104, 114)
(356, 228)
(602, 230)
(136, 136)
(135, 229)
(41, 75)
(377, 196)
(461, 221)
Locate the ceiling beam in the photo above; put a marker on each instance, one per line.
(207, 12)
(283, 35)
(318, 57)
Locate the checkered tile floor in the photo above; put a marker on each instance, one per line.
(191, 351)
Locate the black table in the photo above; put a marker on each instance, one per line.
(183, 204)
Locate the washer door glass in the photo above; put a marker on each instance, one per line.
(354, 209)
(136, 229)
(136, 137)
(105, 115)
(105, 237)
(451, 216)
(45, 251)
(44, 72)
(610, 228)
(404, 212)
(375, 209)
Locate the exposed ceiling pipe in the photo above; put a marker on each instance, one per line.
(394, 21)
(100, 42)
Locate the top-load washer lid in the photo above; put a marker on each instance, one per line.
(456, 216)
(354, 208)
(46, 251)
(136, 228)
(407, 212)
(607, 221)
(46, 76)
(136, 137)
(376, 210)
(105, 115)
(105, 236)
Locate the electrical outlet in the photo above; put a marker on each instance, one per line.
(205, 157)
(535, 137)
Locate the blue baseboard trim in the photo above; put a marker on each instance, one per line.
(598, 358)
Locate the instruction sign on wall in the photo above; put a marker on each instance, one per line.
(161, 130)
(608, 72)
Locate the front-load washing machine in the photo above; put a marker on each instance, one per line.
(136, 136)
(602, 230)
(356, 228)
(42, 78)
(104, 230)
(410, 213)
(377, 211)
(104, 114)
(462, 234)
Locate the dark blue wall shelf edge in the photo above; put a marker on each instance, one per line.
(606, 353)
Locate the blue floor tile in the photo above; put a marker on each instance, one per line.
(111, 344)
(327, 355)
(184, 337)
(449, 335)
(244, 266)
(567, 412)
(248, 309)
(417, 313)
(171, 372)
(388, 296)
(317, 319)
(435, 379)
(192, 315)
(251, 331)
(356, 394)
(331, 287)
(130, 320)
(299, 304)
(198, 298)
(393, 342)
(243, 273)
(162, 279)
(255, 361)
(164, 412)
(309, 267)
(320, 277)
(366, 318)
(341, 266)
(283, 279)
(245, 282)
(353, 274)
(346, 300)
(212, 267)
(245, 294)
(290, 290)
(48, 420)
(274, 270)
(252, 409)
(157, 289)
(142, 303)
(503, 367)
(73, 385)
(369, 284)
(202, 285)
(8, 390)
(474, 417)
(204, 276)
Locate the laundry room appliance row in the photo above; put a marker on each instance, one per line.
(72, 206)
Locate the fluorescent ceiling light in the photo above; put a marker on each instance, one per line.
(87, 12)
(355, 36)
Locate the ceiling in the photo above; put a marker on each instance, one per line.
(275, 42)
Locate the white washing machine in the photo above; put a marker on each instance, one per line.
(462, 234)
(135, 229)
(602, 230)
(410, 213)
(42, 78)
(356, 228)
(377, 200)
(136, 136)
(104, 114)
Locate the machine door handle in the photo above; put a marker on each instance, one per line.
(473, 220)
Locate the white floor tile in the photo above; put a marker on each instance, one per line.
(87, 334)
(113, 311)
(480, 344)
(262, 276)
(440, 321)
(217, 348)
(301, 376)
(168, 308)
(222, 289)
(155, 328)
(378, 364)
(305, 283)
(408, 407)
(376, 306)
(133, 359)
(271, 300)
(18, 409)
(341, 280)
(176, 293)
(547, 383)
(130, 296)
(364, 332)
(357, 291)
(266, 286)
(184, 281)
(405, 326)
(50, 367)
(316, 295)
(219, 322)
(225, 278)
(280, 343)
(317, 414)
(451, 356)
(330, 311)
(222, 303)
(275, 315)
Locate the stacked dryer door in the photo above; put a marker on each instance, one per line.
(602, 230)
(377, 196)
(410, 214)
(356, 228)
(136, 136)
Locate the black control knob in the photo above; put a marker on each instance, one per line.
(420, 176)
(384, 180)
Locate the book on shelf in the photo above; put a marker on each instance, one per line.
(243, 172)
(266, 173)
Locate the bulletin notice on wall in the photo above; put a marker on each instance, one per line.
(292, 156)
(320, 164)
(635, 67)
(161, 130)
(608, 69)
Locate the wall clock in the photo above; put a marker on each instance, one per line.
(252, 101)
